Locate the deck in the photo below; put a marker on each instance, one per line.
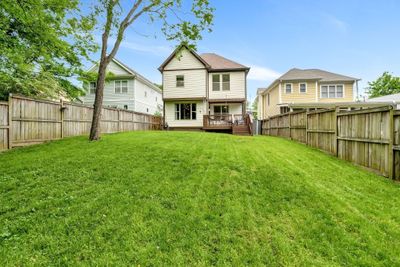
(237, 123)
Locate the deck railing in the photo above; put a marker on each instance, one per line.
(225, 120)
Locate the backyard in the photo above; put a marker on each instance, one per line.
(180, 198)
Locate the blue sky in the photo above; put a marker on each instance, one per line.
(358, 38)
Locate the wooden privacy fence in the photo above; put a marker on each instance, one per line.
(367, 137)
(25, 121)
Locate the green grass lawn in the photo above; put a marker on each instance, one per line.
(178, 198)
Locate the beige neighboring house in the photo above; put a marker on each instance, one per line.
(203, 92)
(306, 86)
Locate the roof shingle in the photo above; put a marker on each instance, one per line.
(218, 62)
(314, 74)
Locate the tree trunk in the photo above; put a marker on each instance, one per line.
(98, 101)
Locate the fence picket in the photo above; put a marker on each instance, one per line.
(25, 121)
(367, 137)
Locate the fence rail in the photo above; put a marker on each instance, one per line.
(25, 121)
(367, 137)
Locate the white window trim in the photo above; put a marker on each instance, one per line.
(291, 88)
(300, 92)
(176, 81)
(336, 85)
(191, 111)
(221, 109)
(221, 86)
(127, 87)
(90, 91)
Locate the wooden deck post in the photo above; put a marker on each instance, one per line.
(390, 149)
(10, 113)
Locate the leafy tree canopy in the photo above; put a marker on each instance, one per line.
(387, 84)
(42, 44)
(178, 20)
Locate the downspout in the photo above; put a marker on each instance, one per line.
(357, 90)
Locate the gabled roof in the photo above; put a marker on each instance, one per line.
(260, 90)
(211, 61)
(314, 74)
(165, 63)
(134, 74)
(310, 74)
(218, 62)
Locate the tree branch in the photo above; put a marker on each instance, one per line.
(128, 20)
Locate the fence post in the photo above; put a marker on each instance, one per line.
(290, 126)
(10, 113)
(390, 150)
(62, 118)
(119, 121)
(307, 127)
(270, 129)
(336, 131)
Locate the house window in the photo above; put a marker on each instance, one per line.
(221, 82)
(185, 111)
(226, 82)
(285, 110)
(180, 81)
(268, 99)
(216, 82)
(303, 87)
(92, 88)
(221, 110)
(332, 91)
(121, 87)
(339, 91)
(288, 88)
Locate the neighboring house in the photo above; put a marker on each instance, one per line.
(391, 99)
(305, 86)
(205, 92)
(126, 89)
(257, 100)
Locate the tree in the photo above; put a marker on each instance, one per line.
(387, 84)
(42, 44)
(175, 26)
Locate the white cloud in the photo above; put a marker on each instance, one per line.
(258, 73)
(336, 23)
(151, 49)
(158, 50)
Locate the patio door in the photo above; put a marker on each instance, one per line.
(221, 112)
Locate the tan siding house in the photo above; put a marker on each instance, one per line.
(305, 87)
(197, 87)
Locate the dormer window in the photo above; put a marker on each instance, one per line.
(180, 81)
